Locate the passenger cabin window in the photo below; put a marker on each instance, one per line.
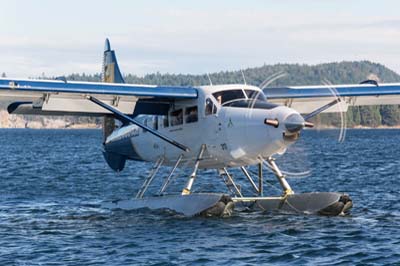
(155, 122)
(177, 117)
(191, 114)
(165, 121)
(210, 107)
(224, 97)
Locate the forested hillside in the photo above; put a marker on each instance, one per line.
(296, 74)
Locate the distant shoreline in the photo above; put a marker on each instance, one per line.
(356, 127)
(69, 127)
(94, 126)
(17, 121)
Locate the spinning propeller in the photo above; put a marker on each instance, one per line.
(294, 123)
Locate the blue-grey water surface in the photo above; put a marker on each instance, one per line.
(53, 182)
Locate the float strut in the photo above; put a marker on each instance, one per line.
(169, 178)
(150, 178)
(260, 180)
(189, 184)
(237, 190)
(281, 178)
(246, 173)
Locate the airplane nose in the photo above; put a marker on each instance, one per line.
(294, 123)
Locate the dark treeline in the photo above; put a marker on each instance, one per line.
(295, 74)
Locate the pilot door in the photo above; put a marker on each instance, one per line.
(213, 126)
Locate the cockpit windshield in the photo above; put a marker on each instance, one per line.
(224, 97)
(229, 96)
(258, 95)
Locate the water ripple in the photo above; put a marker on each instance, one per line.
(53, 183)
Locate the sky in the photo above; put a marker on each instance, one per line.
(62, 37)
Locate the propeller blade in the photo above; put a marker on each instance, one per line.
(126, 119)
(343, 123)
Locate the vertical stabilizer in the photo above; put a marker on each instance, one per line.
(110, 71)
(110, 74)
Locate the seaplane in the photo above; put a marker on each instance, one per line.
(219, 127)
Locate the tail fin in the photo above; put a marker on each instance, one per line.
(110, 71)
(110, 74)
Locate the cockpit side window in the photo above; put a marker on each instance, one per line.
(165, 121)
(255, 95)
(228, 96)
(177, 117)
(145, 123)
(210, 107)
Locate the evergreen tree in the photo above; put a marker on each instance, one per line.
(370, 116)
(356, 115)
(390, 115)
(350, 117)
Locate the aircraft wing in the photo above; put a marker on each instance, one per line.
(58, 97)
(306, 99)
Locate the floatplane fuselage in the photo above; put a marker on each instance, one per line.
(229, 119)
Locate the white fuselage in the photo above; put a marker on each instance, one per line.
(234, 132)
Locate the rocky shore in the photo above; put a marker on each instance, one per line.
(19, 121)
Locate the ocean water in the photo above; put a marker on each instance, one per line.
(54, 181)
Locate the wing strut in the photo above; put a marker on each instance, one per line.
(126, 120)
(321, 109)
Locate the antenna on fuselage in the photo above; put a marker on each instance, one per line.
(271, 79)
(244, 79)
(209, 78)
